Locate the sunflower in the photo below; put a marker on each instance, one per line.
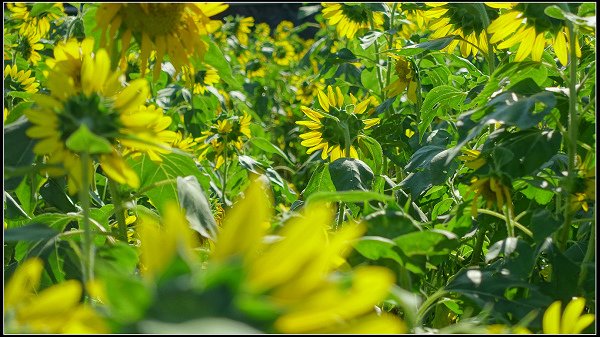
(226, 136)
(464, 20)
(54, 310)
(283, 29)
(283, 53)
(472, 158)
(336, 126)
(406, 79)
(493, 192)
(527, 26)
(19, 80)
(348, 19)
(38, 24)
(262, 31)
(309, 293)
(199, 79)
(175, 29)
(27, 45)
(88, 98)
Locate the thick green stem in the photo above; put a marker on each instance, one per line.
(390, 46)
(341, 211)
(224, 180)
(476, 256)
(571, 139)
(121, 232)
(377, 70)
(428, 304)
(87, 261)
(510, 228)
(589, 255)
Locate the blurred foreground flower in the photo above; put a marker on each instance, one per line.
(56, 309)
(311, 295)
(570, 321)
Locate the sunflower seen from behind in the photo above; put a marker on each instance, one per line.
(35, 18)
(335, 126)
(173, 29)
(464, 20)
(349, 18)
(87, 100)
(528, 27)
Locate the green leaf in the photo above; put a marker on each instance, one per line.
(416, 49)
(376, 247)
(214, 57)
(348, 196)
(373, 150)
(444, 96)
(39, 8)
(83, 140)
(558, 13)
(320, 181)
(197, 207)
(159, 180)
(351, 174)
(32, 232)
(53, 192)
(269, 147)
(390, 223)
(430, 242)
(18, 149)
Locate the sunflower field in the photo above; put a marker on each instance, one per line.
(369, 168)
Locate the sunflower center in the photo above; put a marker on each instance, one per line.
(200, 76)
(355, 13)
(535, 16)
(24, 47)
(253, 65)
(154, 19)
(280, 52)
(91, 111)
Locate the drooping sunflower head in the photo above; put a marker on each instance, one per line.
(173, 29)
(35, 18)
(283, 53)
(349, 18)
(464, 20)
(527, 26)
(19, 80)
(336, 125)
(493, 190)
(406, 79)
(206, 75)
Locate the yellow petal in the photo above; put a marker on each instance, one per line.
(323, 100)
(551, 320)
(571, 314)
(243, 224)
(24, 282)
